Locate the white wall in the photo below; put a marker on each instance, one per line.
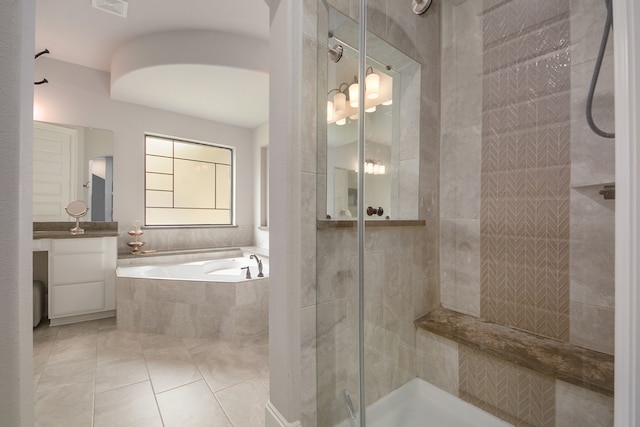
(16, 133)
(78, 95)
(285, 258)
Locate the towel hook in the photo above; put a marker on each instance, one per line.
(37, 56)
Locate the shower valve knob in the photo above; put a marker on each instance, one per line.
(373, 211)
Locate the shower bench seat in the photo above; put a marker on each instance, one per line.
(562, 360)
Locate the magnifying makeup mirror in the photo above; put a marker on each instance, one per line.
(77, 209)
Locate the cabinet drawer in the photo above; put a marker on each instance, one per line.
(76, 246)
(77, 268)
(78, 298)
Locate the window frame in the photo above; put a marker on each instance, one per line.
(232, 181)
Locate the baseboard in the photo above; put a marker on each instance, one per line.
(82, 318)
(273, 418)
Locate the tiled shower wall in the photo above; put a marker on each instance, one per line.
(525, 172)
(525, 238)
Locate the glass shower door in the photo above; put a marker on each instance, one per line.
(491, 282)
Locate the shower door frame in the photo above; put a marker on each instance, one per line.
(626, 15)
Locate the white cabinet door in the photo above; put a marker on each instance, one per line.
(81, 276)
(79, 298)
(54, 171)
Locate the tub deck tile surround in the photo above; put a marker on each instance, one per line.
(567, 362)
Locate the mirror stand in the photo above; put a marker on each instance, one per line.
(77, 209)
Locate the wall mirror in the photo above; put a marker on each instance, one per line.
(392, 111)
(71, 163)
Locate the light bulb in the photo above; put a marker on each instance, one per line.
(339, 102)
(354, 117)
(372, 84)
(376, 169)
(389, 102)
(329, 111)
(354, 95)
(368, 168)
(342, 121)
(370, 110)
(383, 169)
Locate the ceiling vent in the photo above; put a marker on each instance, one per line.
(117, 7)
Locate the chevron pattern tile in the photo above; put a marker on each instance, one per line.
(525, 171)
(515, 394)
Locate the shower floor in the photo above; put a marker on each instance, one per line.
(420, 404)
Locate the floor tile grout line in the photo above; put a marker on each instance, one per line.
(95, 379)
(215, 395)
(153, 390)
(226, 414)
(178, 386)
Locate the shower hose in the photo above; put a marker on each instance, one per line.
(596, 72)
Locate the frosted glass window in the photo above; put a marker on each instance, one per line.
(160, 199)
(223, 187)
(170, 216)
(204, 153)
(160, 164)
(194, 184)
(157, 181)
(187, 183)
(159, 146)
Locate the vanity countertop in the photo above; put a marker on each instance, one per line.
(68, 235)
(61, 230)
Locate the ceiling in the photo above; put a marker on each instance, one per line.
(77, 33)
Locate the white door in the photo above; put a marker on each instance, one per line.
(54, 171)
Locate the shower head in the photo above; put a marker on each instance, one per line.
(335, 52)
(420, 6)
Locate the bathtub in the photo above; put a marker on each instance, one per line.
(220, 270)
(421, 404)
(206, 297)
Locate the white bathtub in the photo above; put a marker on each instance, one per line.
(421, 404)
(220, 270)
(200, 298)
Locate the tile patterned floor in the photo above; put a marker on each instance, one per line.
(90, 374)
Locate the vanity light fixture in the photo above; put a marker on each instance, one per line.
(340, 98)
(329, 111)
(344, 100)
(354, 93)
(340, 102)
(338, 105)
(373, 167)
(372, 84)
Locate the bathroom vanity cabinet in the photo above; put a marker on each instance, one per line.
(81, 273)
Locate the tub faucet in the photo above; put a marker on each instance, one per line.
(259, 261)
(248, 276)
